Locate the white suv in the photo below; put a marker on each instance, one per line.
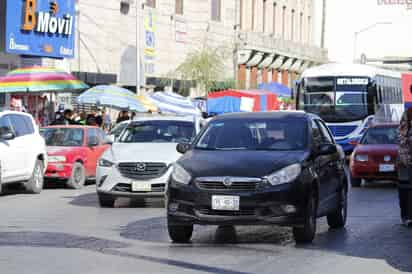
(23, 156)
(139, 163)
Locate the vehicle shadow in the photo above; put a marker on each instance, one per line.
(155, 230)
(389, 242)
(98, 245)
(91, 200)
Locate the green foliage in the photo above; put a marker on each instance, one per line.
(205, 67)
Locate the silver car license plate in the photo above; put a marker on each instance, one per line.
(230, 203)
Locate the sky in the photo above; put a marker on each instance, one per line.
(345, 17)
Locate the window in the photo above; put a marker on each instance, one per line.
(284, 22)
(274, 18)
(216, 10)
(309, 28)
(124, 7)
(292, 26)
(326, 135)
(316, 135)
(19, 125)
(63, 137)
(101, 135)
(253, 14)
(5, 125)
(29, 124)
(179, 7)
(301, 27)
(92, 136)
(264, 15)
(151, 3)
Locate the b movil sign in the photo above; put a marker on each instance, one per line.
(40, 27)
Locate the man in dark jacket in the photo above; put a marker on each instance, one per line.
(65, 119)
(405, 167)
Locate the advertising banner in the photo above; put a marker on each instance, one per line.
(40, 27)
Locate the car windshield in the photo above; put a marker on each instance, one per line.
(381, 136)
(117, 130)
(63, 137)
(158, 132)
(254, 134)
(336, 101)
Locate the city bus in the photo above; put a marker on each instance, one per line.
(350, 97)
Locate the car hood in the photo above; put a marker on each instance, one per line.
(60, 150)
(377, 149)
(239, 163)
(143, 152)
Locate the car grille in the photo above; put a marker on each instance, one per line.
(238, 184)
(128, 188)
(242, 212)
(150, 170)
(341, 131)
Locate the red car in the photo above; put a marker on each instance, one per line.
(73, 152)
(374, 158)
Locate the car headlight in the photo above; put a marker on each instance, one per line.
(180, 175)
(57, 159)
(361, 157)
(285, 175)
(105, 163)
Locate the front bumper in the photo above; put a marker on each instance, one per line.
(110, 181)
(58, 170)
(370, 171)
(280, 205)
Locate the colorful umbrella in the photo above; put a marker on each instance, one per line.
(111, 96)
(39, 79)
(147, 103)
(170, 102)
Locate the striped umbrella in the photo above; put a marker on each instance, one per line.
(39, 79)
(171, 102)
(111, 96)
(147, 103)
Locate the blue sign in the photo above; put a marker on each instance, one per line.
(40, 27)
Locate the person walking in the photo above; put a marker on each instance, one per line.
(405, 167)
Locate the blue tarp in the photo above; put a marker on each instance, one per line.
(277, 88)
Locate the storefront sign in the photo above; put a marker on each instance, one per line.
(40, 27)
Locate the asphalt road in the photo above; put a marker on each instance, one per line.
(64, 231)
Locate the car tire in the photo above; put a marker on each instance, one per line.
(35, 184)
(180, 233)
(78, 177)
(106, 200)
(338, 218)
(306, 234)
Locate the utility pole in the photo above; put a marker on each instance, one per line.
(138, 47)
(322, 41)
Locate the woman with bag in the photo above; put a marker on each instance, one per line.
(405, 167)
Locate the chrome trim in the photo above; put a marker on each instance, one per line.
(221, 179)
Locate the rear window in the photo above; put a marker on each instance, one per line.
(381, 136)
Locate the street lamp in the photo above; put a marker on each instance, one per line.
(364, 30)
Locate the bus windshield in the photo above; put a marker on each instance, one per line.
(335, 100)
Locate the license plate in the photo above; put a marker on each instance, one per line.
(141, 187)
(386, 168)
(230, 203)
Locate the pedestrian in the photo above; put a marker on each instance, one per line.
(99, 119)
(65, 119)
(83, 118)
(91, 120)
(405, 167)
(123, 116)
(107, 120)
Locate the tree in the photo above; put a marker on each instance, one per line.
(205, 67)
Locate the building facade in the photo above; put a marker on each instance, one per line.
(262, 40)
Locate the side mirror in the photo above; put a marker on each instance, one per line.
(183, 147)
(6, 134)
(109, 140)
(327, 149)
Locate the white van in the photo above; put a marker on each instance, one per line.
(23, 157)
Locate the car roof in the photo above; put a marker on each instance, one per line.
(70, 126)
(265, 115)
(5, 112)
(163, 118)
(384, 125)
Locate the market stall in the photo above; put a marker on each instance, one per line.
(241, 101)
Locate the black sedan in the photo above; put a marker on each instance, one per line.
(280, 168)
